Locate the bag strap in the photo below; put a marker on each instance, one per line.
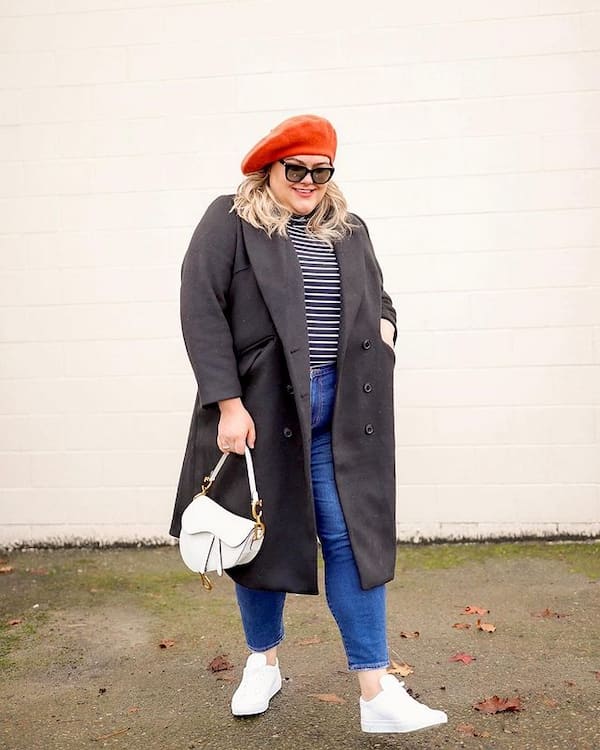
(249, 467)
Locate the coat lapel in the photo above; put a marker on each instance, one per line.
(279, 278)
(351, 259)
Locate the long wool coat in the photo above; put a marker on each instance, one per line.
(244, 326)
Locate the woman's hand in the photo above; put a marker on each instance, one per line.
(236, 427)
(387, 332)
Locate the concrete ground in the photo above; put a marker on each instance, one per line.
(84, 667)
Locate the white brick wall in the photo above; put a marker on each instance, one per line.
(469, 140)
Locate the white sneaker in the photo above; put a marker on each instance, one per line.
(259, 684)
(393, 710)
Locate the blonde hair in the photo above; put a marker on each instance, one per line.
(255, 203)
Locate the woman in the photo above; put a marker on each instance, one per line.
(290, 335)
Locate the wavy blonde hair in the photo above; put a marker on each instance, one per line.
(255, 203)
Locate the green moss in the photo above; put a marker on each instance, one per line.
(580, 557)
(11, 636)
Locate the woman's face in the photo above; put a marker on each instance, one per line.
(300, 197)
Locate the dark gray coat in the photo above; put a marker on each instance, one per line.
(243, 320)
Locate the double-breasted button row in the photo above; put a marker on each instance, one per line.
(369, 429)
(367, 387)
(287, 432)
(366, 344)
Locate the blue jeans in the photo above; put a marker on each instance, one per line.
(360, 614)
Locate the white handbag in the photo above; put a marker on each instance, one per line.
(213, 538)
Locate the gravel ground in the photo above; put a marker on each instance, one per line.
(84, 668)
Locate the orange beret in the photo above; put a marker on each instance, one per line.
(303, 134)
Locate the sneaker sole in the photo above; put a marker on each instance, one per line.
(380, 727)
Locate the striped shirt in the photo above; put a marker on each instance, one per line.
(322, 291)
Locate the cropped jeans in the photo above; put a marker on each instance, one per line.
(360, 614)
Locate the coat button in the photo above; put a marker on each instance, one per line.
(369, 429)
(366, 344)
(290, 389)
(367, 387)
(287, 432)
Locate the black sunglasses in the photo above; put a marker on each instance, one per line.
(296, 173)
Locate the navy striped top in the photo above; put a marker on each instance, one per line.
(322, 291)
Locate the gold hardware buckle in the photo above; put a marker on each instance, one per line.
(206, 483)
(259, 526)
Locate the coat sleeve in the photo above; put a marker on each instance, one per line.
(205, 280)
(387, 308)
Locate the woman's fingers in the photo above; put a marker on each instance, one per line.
(251, 438)
(236, 429)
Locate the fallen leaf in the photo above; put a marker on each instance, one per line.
(408, 634)
(16, 621)
(464, 658)
(166, 643)
(570, 683)
(6, 569)
(596, 674)
(328, 698)
(462, 625)
(133, 709)
(402, 668)
(220, 664)
(548, 613)
(495, 705)
(471, 731)
(550, 702)
(487, 627)
(472, 610)
(309, 641)
(37, 571)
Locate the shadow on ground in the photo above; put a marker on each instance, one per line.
(81, 667)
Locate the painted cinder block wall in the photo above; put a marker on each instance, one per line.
(469, 141)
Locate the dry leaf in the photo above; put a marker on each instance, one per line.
(16, 621)
(408, 634)
(166, 643)
(462, 625)
(472, 610)
(309, 641)
(37, 571)
(328, 698)
(495, 705)
(471, 731)
(133, 709)
(487, 627)
(402, 668)
(570, 683)
(596, 674)
(6, 569)
(220, 664)
(548, 613)
(464, 658)
(550, 702)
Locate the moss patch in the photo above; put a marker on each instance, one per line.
(580, 557)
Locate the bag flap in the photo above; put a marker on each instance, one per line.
(204, 514)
